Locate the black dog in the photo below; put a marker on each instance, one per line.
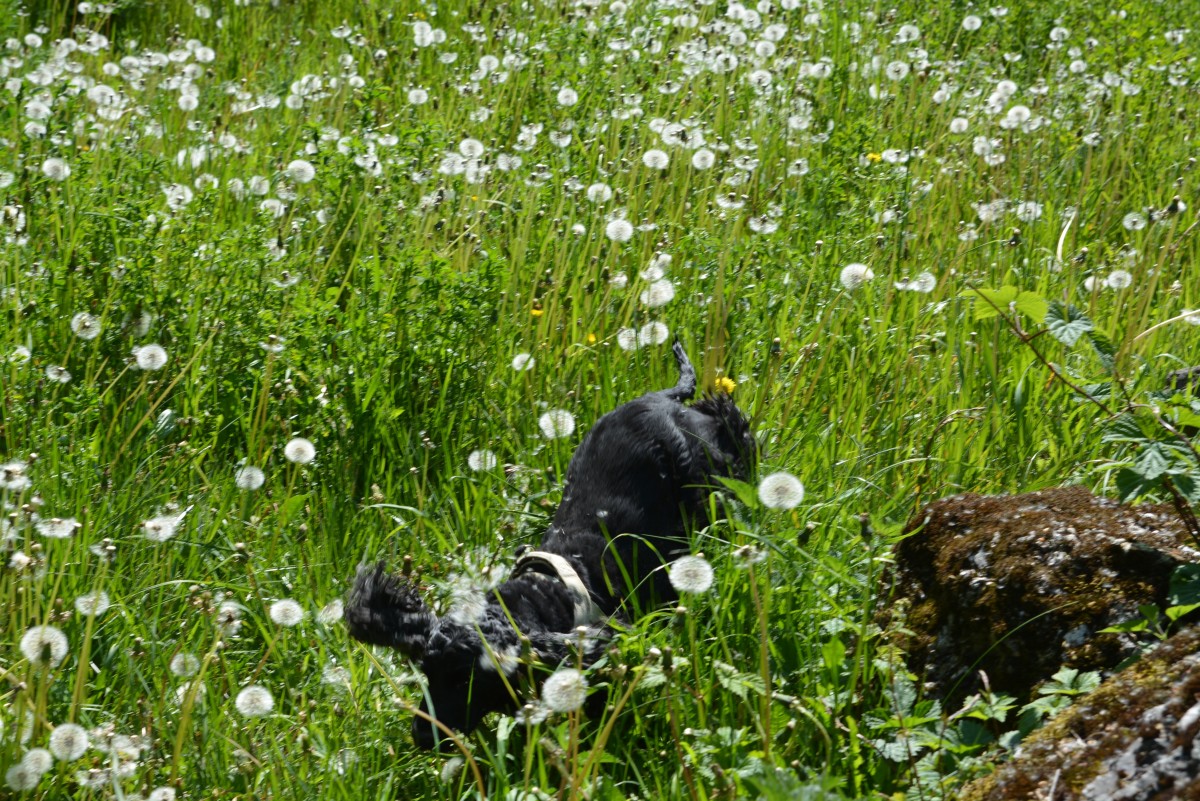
(638, 482)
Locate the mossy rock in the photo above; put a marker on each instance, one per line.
(1018, 586)
(1134, 739)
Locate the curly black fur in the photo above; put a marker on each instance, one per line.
(638, 482)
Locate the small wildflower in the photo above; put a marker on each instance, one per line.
(725, 384)
(874, 158)
(691, 574)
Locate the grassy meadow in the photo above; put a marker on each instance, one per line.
(286, 286)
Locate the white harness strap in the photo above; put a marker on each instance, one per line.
(586, 611)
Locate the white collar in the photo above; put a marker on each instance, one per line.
(586, 611)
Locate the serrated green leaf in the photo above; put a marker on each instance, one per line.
(1130, 484)
(1032, 305)
(1184, 588)
(1066, 323)
(991, 302)
(1152, 462)
(1123, 428)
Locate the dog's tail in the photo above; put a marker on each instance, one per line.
(685, 389)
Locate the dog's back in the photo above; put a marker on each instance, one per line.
(640, 480)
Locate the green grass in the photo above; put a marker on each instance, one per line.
(416, 289)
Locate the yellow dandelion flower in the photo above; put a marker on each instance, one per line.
(591, 339)
(725, 384)
(536, 312)
(874, 158)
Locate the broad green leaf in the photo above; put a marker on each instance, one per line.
(1152, 462)
(991, 302)
(1103, 348)
(1123, 428)
(1184, 588)
(746, 493)
(1067, 323)
(1032, 305)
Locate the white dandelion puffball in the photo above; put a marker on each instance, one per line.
(691, 574)
(331, 612)
(855, 275)
(93, 604)
(85, 326)
(38, 760)
(619, 230)
(659, 293)
(557, 423)
(56, 169)
(57, 528)
(655, 333)
(286, 613)
(299, 450)
(44, 646)
(1119, 279)
(567, 96)
(150, 357)
(161, 794)
(656, 159)
(1191, 316)
(301, 171)
(161, 528)
(780, 491)
(565, 690)
(249, 478)
(703, 159)
(481, 459)
(21, 777)
(522, 362)
(184, 664)
(255, 701)
(68, 742)
(627, 339)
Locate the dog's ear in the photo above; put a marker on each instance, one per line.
(383, 609)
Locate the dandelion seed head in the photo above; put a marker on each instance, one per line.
(780, 491)
(85, 326)
(21, 778)
(1119, 279)
(249, 478)
(855, 275)
(184, 664)
(565, 690)
(557, 423)
(56, 528)
(150, 357)
(56, 169)
(522, 362)
(161, 528)
(286, 613)
(619, 230)
(68, 742)
(331, 613)
(659, 293)
(480, 460)
(44, 646)
(255, 701)
(301, 171)
(691, 574)
(299, 450)
(93, 604)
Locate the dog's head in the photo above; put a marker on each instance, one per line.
(471, 663)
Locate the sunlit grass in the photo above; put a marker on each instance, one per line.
(376, 310)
